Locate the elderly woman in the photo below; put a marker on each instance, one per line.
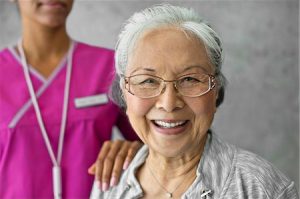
(168, 62)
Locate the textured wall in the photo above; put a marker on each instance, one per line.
(261, 108)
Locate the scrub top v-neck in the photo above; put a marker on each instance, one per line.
(25, 166)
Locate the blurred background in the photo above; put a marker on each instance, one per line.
(261, 43)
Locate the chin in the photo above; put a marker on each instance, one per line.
(171, 149)
(172, 153)
(53, 22)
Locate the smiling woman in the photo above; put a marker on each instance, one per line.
(157, 54)
(168, 63)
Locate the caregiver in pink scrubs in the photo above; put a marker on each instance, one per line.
(54, 111)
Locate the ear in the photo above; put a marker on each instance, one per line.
(220, 96)
(123, 91)
(217, 93)
(216, 99)
(123, 94)
(124, 98)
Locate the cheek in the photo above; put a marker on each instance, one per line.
(206, 105)
(70, 3)
(204, 108)
(204, 111)
(26, 9)
(137, 109)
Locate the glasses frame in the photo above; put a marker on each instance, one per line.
(211, 79)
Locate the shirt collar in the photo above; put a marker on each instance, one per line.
(213, 169)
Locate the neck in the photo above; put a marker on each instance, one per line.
(44, 47)
(40, 42)
(166, 168)
(170, 167)
(161, 176)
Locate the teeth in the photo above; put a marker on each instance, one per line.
(168, 124)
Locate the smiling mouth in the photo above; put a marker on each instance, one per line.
(169, 124)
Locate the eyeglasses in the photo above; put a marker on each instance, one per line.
(190, 85)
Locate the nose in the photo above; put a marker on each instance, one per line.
(169, 99)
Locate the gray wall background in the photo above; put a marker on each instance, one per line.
(261, 108)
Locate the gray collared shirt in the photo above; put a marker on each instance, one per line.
(224, 170)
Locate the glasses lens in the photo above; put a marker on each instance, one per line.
(145, 85)
(193, 84)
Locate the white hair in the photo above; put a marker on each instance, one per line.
(160, 16)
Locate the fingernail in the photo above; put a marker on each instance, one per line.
(105, 186)
(98, 183)
(125, 165)
(113, 181)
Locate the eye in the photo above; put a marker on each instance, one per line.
(145, 81)
(149, 81)
(190, 79)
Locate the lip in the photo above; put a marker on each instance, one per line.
(170, 131)
(52, 4)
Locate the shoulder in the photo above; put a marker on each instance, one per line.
(255, 176)
(93, 50)
(99, 60)
(128, 187)
(9, 58)
(5, 55)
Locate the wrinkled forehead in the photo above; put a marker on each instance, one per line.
(168, 46)
(162, 33)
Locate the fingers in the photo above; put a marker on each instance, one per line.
(109, 162)
(92, 169)
(100, 160)
(113, 157)
(118, 164)
(134, 147)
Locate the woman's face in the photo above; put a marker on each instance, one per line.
(170, 53)
(49, 13)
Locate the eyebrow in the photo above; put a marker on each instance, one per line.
(195, 66)
(145, 69)
(186, 69)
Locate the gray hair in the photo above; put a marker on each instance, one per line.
(161, 16)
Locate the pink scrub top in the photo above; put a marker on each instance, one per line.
(25, 165)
